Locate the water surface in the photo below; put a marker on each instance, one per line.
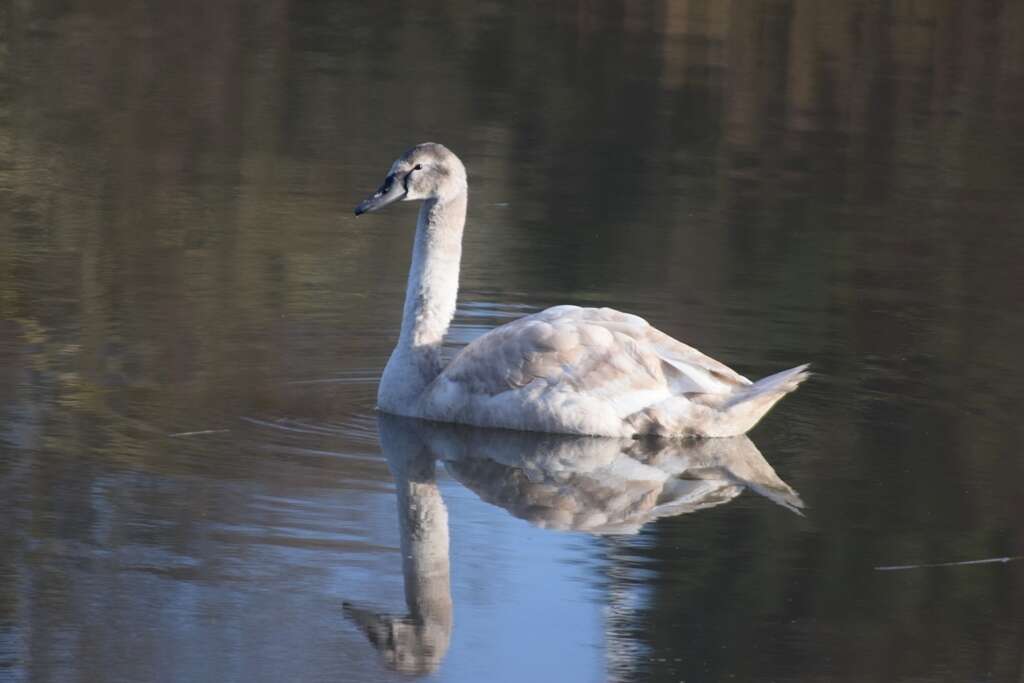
(192, 484)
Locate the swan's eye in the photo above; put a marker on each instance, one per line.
(417, 167)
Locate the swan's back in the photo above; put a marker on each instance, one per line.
(597, 350)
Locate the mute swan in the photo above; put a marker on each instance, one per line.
(567, 369)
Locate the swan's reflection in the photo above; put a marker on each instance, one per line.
(596, 485)
(417, 642)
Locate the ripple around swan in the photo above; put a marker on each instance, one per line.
(493, 310)
(361, 376)
(332, 415)
(475, 318)
(357, 429)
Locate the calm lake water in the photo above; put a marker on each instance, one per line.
(194, 484)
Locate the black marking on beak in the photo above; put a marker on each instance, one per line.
(388, 193)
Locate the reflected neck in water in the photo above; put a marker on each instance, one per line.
(416, 642)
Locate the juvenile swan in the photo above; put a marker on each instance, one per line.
(568, 369)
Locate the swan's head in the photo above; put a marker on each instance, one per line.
(427, 171)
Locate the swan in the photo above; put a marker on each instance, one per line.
(567, 369)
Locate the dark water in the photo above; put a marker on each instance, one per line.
(192, 485)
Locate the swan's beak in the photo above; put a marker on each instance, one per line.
(391, 191)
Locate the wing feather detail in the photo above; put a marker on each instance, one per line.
(601, 354)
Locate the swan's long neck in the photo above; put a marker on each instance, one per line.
(430, 298)
(434, 274)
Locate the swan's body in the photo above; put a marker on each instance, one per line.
(567, 369)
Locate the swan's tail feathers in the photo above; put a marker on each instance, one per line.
(777, 385)
(716, 415)
(748, 405)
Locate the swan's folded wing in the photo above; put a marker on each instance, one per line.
(690, 361)
(602, 353)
